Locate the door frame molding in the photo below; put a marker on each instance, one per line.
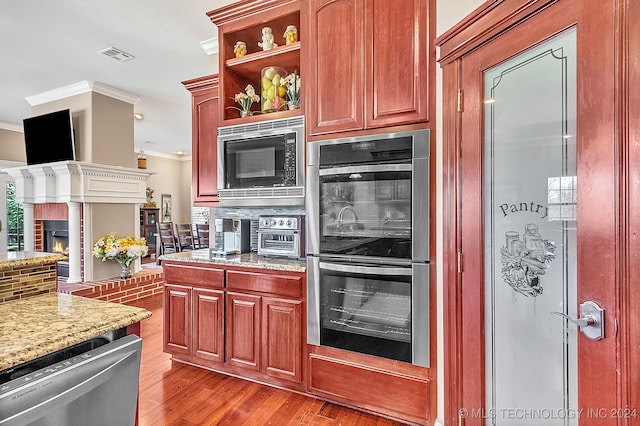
(487, 22)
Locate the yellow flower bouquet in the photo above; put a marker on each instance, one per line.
(122, 250)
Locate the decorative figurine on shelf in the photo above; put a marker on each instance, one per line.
(240, 49)
(291, 34)
(267, 42)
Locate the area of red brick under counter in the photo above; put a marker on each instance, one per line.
(145, 283)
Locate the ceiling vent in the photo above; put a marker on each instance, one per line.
(117, 54)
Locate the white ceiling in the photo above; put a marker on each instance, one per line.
(49, 44)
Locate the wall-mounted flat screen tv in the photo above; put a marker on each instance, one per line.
(49, 137)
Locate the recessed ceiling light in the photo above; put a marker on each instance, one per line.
(138, 116)
(179, 153)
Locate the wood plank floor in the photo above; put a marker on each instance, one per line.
(178, 394)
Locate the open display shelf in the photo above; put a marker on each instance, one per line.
(237, 73)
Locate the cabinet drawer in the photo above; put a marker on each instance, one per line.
(285, 285)
(193, 275)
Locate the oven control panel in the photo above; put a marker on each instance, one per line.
(279, 222)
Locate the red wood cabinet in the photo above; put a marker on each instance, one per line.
(204, 150)
(375, 71)
(263, 334)
(177, 319)
(239, 321)
(208, 337)
(193, 312)
(264, 323)
(243, 21)
(243, 330)
(282, 338)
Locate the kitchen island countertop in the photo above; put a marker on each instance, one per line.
(245, 260)
(14, 259)
(43, 324)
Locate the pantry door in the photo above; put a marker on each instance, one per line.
(537, 208)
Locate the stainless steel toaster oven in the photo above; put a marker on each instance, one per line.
(281, 236)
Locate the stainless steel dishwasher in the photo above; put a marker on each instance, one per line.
(92, 383)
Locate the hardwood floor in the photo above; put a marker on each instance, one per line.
(178, 394)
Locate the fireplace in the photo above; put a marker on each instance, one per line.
(78, 193)
(56, 240)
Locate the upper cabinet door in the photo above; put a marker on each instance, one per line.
(335, 52)
(375, 71)
(397, 68)
(205, 97)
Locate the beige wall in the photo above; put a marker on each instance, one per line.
(80, 106)
(172, 175)
(12, 146)
(103, 219)
(103, 127)
(213, 65)
(112, 132)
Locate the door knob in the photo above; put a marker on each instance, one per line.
(591, 321)
(580, 322)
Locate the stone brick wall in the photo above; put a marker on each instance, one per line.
(20, 282)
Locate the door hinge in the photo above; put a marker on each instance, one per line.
(459, 262)
(460, 100)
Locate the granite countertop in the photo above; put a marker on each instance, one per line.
(28, 258)
(39, 325)
(245, 260)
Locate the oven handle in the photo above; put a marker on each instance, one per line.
(278, 231)
(367, 270)
(374, 168)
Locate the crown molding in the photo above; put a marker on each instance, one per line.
(78, 89)
(12, 127)
(210, 46)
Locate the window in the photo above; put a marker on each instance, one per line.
(15, 220)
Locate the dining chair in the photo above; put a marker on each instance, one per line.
(184, 236)
(202, 235)
(167, 238)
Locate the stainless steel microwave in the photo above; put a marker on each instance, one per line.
(262, 163)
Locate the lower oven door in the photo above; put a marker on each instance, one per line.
(371, 309)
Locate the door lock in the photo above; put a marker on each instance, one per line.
(591, 321)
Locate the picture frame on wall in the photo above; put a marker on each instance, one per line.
(166, 207)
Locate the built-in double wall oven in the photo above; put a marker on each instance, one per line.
(368, 245)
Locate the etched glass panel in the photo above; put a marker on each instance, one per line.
(530, 236)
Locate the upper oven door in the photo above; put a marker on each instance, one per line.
(366, 211)
(374, 206)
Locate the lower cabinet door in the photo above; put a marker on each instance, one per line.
(243, 331)
(208, 332)
(282, 338)
(176, 333)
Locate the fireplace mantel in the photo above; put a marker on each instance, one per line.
(79, 184)
(74, 181)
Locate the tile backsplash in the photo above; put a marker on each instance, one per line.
(255, 213)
